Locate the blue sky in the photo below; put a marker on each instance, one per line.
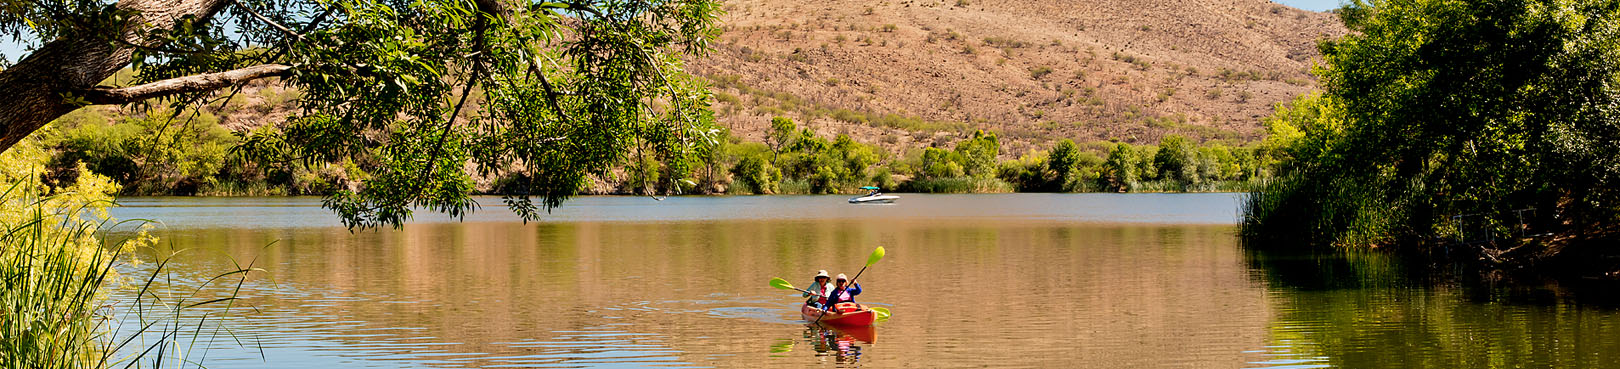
(1317, 5)
(13, 50)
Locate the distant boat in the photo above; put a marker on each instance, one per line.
(876, 197)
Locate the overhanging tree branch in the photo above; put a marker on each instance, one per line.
(268, 21)
(179, 85)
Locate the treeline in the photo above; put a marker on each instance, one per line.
(794, 160)
(161, 152)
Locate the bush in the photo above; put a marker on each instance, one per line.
(149, 154)
(957, 185)
(1038, 72)
(756, 175)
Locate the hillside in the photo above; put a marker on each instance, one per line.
(904, 74)
(896, 77)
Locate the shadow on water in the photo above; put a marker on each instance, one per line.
(1342, 308)
(1309, 269)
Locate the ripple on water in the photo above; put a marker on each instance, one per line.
(584, 348)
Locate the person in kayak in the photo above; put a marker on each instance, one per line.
(841, 293)
(821, 289)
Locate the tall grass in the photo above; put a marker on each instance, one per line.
(52, 287)
(1343, 212)
(58, 271)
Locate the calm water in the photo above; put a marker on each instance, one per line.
(1027, 280)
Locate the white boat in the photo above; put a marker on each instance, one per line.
(876, 197)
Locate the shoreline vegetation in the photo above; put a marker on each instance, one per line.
(157, 152)
(68, 302)
(1480, 133)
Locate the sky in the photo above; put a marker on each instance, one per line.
(13, 50)
(1316, 5)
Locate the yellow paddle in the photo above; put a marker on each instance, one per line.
(778, 282)
(882, 313)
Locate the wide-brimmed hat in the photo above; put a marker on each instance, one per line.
(841, 277)
(821, 274)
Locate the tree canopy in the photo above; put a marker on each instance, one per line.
(1437, 113)
(559, 90)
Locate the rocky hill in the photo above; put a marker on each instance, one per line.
(913, 73)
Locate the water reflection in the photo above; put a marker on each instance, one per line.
(694, 293)
(840, 345)
(1350, 309)
(972, 283)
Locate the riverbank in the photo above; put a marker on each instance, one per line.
(148, 153)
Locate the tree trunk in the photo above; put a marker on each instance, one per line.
(38, 84)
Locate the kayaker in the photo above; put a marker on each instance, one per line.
(841, 293)
(821, 289)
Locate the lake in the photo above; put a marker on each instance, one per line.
(1017, 280)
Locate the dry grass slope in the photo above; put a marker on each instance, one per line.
(904, 74)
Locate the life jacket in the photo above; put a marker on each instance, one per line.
(847, 307)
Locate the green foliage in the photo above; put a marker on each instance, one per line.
(57, 269)
(52, 264)
(159, 152)
(937, 163)
(837, 166)
(978, 154)
(780, 135)
(756, 175)
(1438, 108)
(1300, 132)
(410, 92)
(883, 178)
(1038, 72)
(1123, 168)
(957, 185)
(1175, 160)
(1064, 159)
(1028, 173)
(1064, 168)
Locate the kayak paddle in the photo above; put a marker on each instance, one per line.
(778, 282)
(882, 313)
(873, 259)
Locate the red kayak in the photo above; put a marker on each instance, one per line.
(849, 314)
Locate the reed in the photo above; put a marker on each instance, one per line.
(55, 310)
(1304, 212)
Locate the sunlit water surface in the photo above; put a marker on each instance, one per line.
(1029, 280)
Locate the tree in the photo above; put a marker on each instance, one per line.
(1435, 108)
(1176, 160)
(1120, 169)
(979, 154)
(568, 88)
(757, 175)
(937, 163)
(1063, 161)
(854, 157)
(781, 135)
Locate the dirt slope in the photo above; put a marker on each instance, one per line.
(913, 73)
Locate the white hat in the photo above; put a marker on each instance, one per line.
(820, 274)
(841, 277)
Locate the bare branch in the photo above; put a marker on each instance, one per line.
(180, 85)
